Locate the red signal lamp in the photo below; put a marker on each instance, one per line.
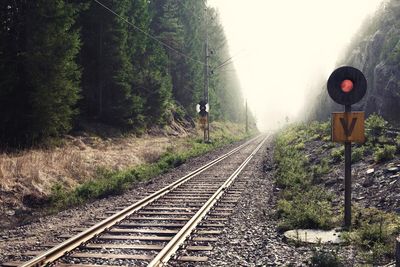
(347, 85)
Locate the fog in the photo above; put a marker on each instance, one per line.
(284, 48)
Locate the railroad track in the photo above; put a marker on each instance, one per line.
(179, 221)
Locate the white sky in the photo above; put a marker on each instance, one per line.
(282, 46)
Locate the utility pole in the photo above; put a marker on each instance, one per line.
(247, 120)
(206, 82)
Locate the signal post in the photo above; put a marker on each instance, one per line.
(347, 86)
(203, 108)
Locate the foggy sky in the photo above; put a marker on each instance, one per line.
(283, 48)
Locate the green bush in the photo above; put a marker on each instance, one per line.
(337, 154)
(374, 232)
(306, 209)
(357, 154)
(58, 195)
(318, 129)
(375, 126)
(325, 258)
(301, 204)
(397, 140)
(291, 168)
(300, 146)
(318, 170)
(371, 234)
(384, 153)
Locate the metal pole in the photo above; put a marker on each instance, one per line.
(347, 173)
(398, 251)
(247, 120)
(206, 83)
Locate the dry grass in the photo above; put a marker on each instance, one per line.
(36, 171)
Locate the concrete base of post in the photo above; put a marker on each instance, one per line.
(398, 251)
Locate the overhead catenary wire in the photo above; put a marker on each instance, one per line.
(148, 34)
(224, 71)
(227, 61)
(223, 65)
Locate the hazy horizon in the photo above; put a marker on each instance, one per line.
(282, 49)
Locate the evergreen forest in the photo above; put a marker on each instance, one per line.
(130, 64)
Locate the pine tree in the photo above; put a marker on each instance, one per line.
(51, 69)
(190, 88)
(108, 71)
(129, 80)
(40, 79)
(157, 85)
(13, 100)
(152, 81)
(168, 28)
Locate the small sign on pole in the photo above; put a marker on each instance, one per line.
(348, 127)
(347, 86)
(203, 122)
(203, 108)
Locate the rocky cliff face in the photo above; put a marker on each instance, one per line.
(375, 51)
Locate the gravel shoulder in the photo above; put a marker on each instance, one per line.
(251, 237)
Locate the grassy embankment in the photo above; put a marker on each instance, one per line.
(304, 154)
(107, 182)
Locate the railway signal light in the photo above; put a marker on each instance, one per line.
(347, 86)
(202, 108)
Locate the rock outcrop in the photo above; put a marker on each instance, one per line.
(375, 51)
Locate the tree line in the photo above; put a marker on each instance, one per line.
(125, 63)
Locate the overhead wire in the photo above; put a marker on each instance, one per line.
(224, 63)
(227, 70)
(227, 62)
(148, 34)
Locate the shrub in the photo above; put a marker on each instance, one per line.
(397, 140)
(325, 258)
(292, 173)
(384, 153)
(301, 204)
(375, 232)
(58, 195)
(375, 125)
(357, 154)
(337, 154)
(299, 146)
(306, 209)
(291, 161)
(318, 129)
(319, 170)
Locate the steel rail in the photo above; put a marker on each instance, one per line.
(169, 250)
(72, 243)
